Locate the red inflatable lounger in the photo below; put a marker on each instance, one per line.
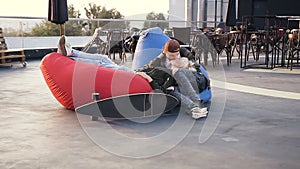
(72, 83)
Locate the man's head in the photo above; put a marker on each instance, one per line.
(171, 49)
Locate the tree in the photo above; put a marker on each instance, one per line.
(73, 28)
(94, 12)
(46, 28)
(154, 16)
(11, 32)
(72, 12)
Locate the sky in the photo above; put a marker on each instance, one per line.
(39, 8)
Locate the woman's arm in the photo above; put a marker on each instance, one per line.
(144, 75)
(154, 84)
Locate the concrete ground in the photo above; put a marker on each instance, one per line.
(254, 123)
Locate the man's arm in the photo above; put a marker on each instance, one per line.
(184, 52)
(157, 62)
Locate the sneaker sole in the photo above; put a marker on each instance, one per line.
(198, 116)
(62, 42)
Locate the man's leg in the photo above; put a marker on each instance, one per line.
(188, 87)
(185, 101)
(193, 109)
(187, 83)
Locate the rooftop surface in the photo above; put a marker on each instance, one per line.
(254, 123)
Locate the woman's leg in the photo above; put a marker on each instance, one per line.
(85, 55)
(103, 59)
(126, 69)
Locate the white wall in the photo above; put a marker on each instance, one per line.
(177, 12)
(44, 42)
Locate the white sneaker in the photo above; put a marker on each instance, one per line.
(64, 48)
(197, 112)
(61, 46)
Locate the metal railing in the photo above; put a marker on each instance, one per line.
(23, 24)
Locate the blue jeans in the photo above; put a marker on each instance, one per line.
(97, 59)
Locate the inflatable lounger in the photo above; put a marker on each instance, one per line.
(72, 83)
(150, 45)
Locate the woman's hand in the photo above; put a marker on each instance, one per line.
(144, 75)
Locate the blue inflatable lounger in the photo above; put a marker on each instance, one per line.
(150, 45)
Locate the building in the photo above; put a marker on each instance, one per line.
(197, 13)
